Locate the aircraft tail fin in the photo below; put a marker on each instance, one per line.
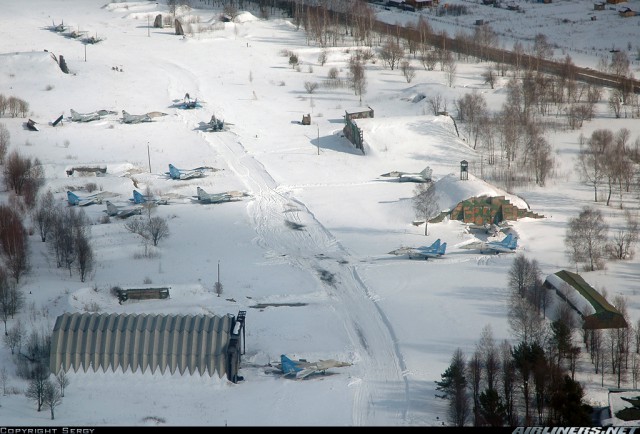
(289, 367)
(112, 210)
(514, 243)
(426, 173)
(442, 249)
(174, 172)
(138, 197)
(72, 198)
(507, 241)
(201, 193)
(435, 246)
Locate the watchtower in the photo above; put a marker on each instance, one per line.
(464, 170)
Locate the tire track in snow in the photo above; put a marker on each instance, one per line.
(381, 370)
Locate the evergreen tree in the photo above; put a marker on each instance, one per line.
(492, 409)
(453, 388)
(567, 404)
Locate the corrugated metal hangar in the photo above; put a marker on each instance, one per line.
(193, 343)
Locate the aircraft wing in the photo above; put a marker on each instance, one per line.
(393, 174)
(323, 365)
(305, 373)
(91, 201)
(191, 174)
(411, 177)
(474, 245)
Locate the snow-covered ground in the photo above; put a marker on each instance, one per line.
(398, 321)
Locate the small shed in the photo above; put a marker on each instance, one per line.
(358, 113)
(598, 6)
(626, 12)
(141, 293)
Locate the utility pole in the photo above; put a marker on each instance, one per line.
(85, 52)
(149, 157)
(318, 138)
(148, 28)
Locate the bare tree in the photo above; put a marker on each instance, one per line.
(43, 214)
(51, 397)
(472, 110)
(591, 157)
(408, 71)
(158, 229)
(425, 203)
(436, 102)
(391, 53)
(474, 372)
(357, 77)
(5, 141)
(293, 60)
(230, 10)
(6, 309)
(13, 339)
(37, 384)
(4, 379)
(152, 230)
(322, 57)
(67, 226)
(310, 87)
(490, 356)
(14, 242)
(508, 381)
(526, 324)
(489, 77)
(586, 238)
(450, 66)
(63, 381)
(84, 255)
(625, 238)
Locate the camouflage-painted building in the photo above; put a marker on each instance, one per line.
(488, 209)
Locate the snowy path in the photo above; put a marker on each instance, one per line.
(314, 249)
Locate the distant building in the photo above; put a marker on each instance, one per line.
(488, 210)
(626, 12)
(595, 311)
(422, 4)
(598, 6)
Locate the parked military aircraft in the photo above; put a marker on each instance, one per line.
(58, 28)
(509, 244)
(75, 34)
(423, 176)
(188, 103)
(121, 212)
(85, 117)
(435, 250)
(301, 369)
(490, 228)
(141, 199)
(228, 196)
(75, 200)
(198, 172)
(135, 119)
(214, 124)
